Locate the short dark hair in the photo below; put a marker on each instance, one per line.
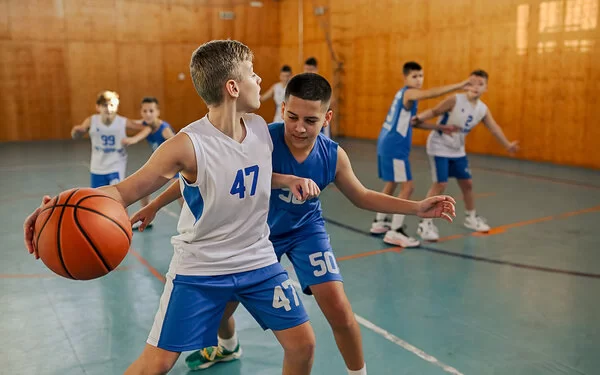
(150, 99)
(480, 73)
(286, 69)
(410, 66)
(309, 86)
(310, 61)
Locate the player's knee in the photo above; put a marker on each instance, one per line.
(466, 186)
(439, 187)
(339, 313)
(157, 364)
(407, 188)
(301, 349)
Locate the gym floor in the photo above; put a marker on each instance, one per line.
(519, 300)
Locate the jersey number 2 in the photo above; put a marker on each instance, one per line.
(239, 184)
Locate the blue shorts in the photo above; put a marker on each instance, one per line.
(98, 180)
(442, 168)
(311, 254)
(191, 307)
(393, 170)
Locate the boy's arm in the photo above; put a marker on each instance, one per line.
(418, 94)
(147, 214)
(268, 94)
(134, 124)
(442, 107)
(141, 135)
(496, 130)
(79, 130)
(364, 198)
(167, 133)
(175, 155)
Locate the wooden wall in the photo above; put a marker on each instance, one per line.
(543, 58)
(56, 55)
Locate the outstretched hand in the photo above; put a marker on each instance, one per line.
(513, 147)
(440, 206)
(146, 214)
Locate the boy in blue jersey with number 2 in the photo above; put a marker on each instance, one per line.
(393, 148)
(297, 228)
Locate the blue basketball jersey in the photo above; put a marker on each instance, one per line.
(156, 138)
(286, 213)
(395, 138)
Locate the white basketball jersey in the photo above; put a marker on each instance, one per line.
(464, 115)
(278, 97)
(223, 224)
(108, 154)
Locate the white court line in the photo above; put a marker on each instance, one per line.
(398, 341)
(380, 331)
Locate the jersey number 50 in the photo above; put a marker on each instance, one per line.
(239, 184)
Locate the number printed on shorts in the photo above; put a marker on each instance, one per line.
(280, 299)
(325, 261)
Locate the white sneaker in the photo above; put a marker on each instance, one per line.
(380, 226)
(477, 223)
(399, 238)
(428, 231)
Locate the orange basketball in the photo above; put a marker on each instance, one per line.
(82, 234)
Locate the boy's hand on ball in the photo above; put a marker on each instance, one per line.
(29, 225)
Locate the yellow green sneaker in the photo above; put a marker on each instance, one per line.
(204, 358)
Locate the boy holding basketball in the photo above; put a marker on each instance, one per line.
(222, 252)
(297, 227)
(108, 135)
(447, 155)
(393, 148)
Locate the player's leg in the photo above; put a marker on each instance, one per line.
(439, 174)
(195, 306)
(227, 349)
(268, 294)
(298, 348)
(465, 182)
(153, 361)
(334, 304)
(319, 274)
(385, 168)
(396, 235)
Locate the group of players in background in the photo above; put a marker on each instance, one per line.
(250, 194)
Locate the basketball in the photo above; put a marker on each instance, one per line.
(82, 234)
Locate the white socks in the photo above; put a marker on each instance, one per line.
(362, 371)
(470, 214)
(381, 217)
(397, 221)
(229, 344)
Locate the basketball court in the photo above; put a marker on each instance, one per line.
(517, 301)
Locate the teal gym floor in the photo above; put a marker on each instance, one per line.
(520, 300)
